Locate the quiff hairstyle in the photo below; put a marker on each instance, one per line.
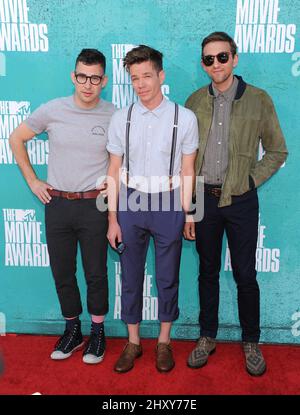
(143, 53)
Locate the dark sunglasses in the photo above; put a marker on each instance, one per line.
(222, 57)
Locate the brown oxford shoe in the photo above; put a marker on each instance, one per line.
(126, 360)
(164, 357)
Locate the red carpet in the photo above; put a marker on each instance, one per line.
(29, 369)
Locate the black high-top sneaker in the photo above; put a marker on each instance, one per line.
(95, 348)
(68, 343)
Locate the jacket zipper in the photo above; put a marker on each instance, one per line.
(229, 143)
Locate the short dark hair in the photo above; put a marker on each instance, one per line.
(143, 53)
(91, 57)
(220, 37)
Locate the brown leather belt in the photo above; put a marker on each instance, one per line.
(90, 194)
(211, 190)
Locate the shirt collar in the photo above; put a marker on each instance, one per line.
(156, 111)
(230, 93)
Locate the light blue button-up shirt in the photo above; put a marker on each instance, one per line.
(150, 142)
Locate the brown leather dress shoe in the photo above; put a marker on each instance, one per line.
(164, 357)
(126, 360)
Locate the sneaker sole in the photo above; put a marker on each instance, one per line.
(96, 360)
(64, 356)
(199, 366)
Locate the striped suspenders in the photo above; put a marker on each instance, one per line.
(173, 148)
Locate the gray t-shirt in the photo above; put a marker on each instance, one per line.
(77, 142)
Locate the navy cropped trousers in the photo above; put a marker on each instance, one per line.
(165, 224)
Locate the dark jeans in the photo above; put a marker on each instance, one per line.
(67, 223)
(240, 221)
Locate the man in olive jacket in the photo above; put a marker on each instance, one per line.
(233, 118)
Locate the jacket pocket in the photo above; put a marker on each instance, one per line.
(240, 177)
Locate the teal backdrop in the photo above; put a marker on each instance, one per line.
(39, 41)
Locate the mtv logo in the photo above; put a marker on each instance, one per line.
(27, 215)
(19, 107)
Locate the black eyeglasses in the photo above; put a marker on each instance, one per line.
(222, 57)
(82, 78)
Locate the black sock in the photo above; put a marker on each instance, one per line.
(70, 323)
(96, 327)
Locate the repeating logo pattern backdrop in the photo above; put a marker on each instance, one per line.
(39, 41)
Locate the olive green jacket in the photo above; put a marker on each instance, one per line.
(253, 118)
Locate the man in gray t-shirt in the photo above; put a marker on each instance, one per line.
(77, 131)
